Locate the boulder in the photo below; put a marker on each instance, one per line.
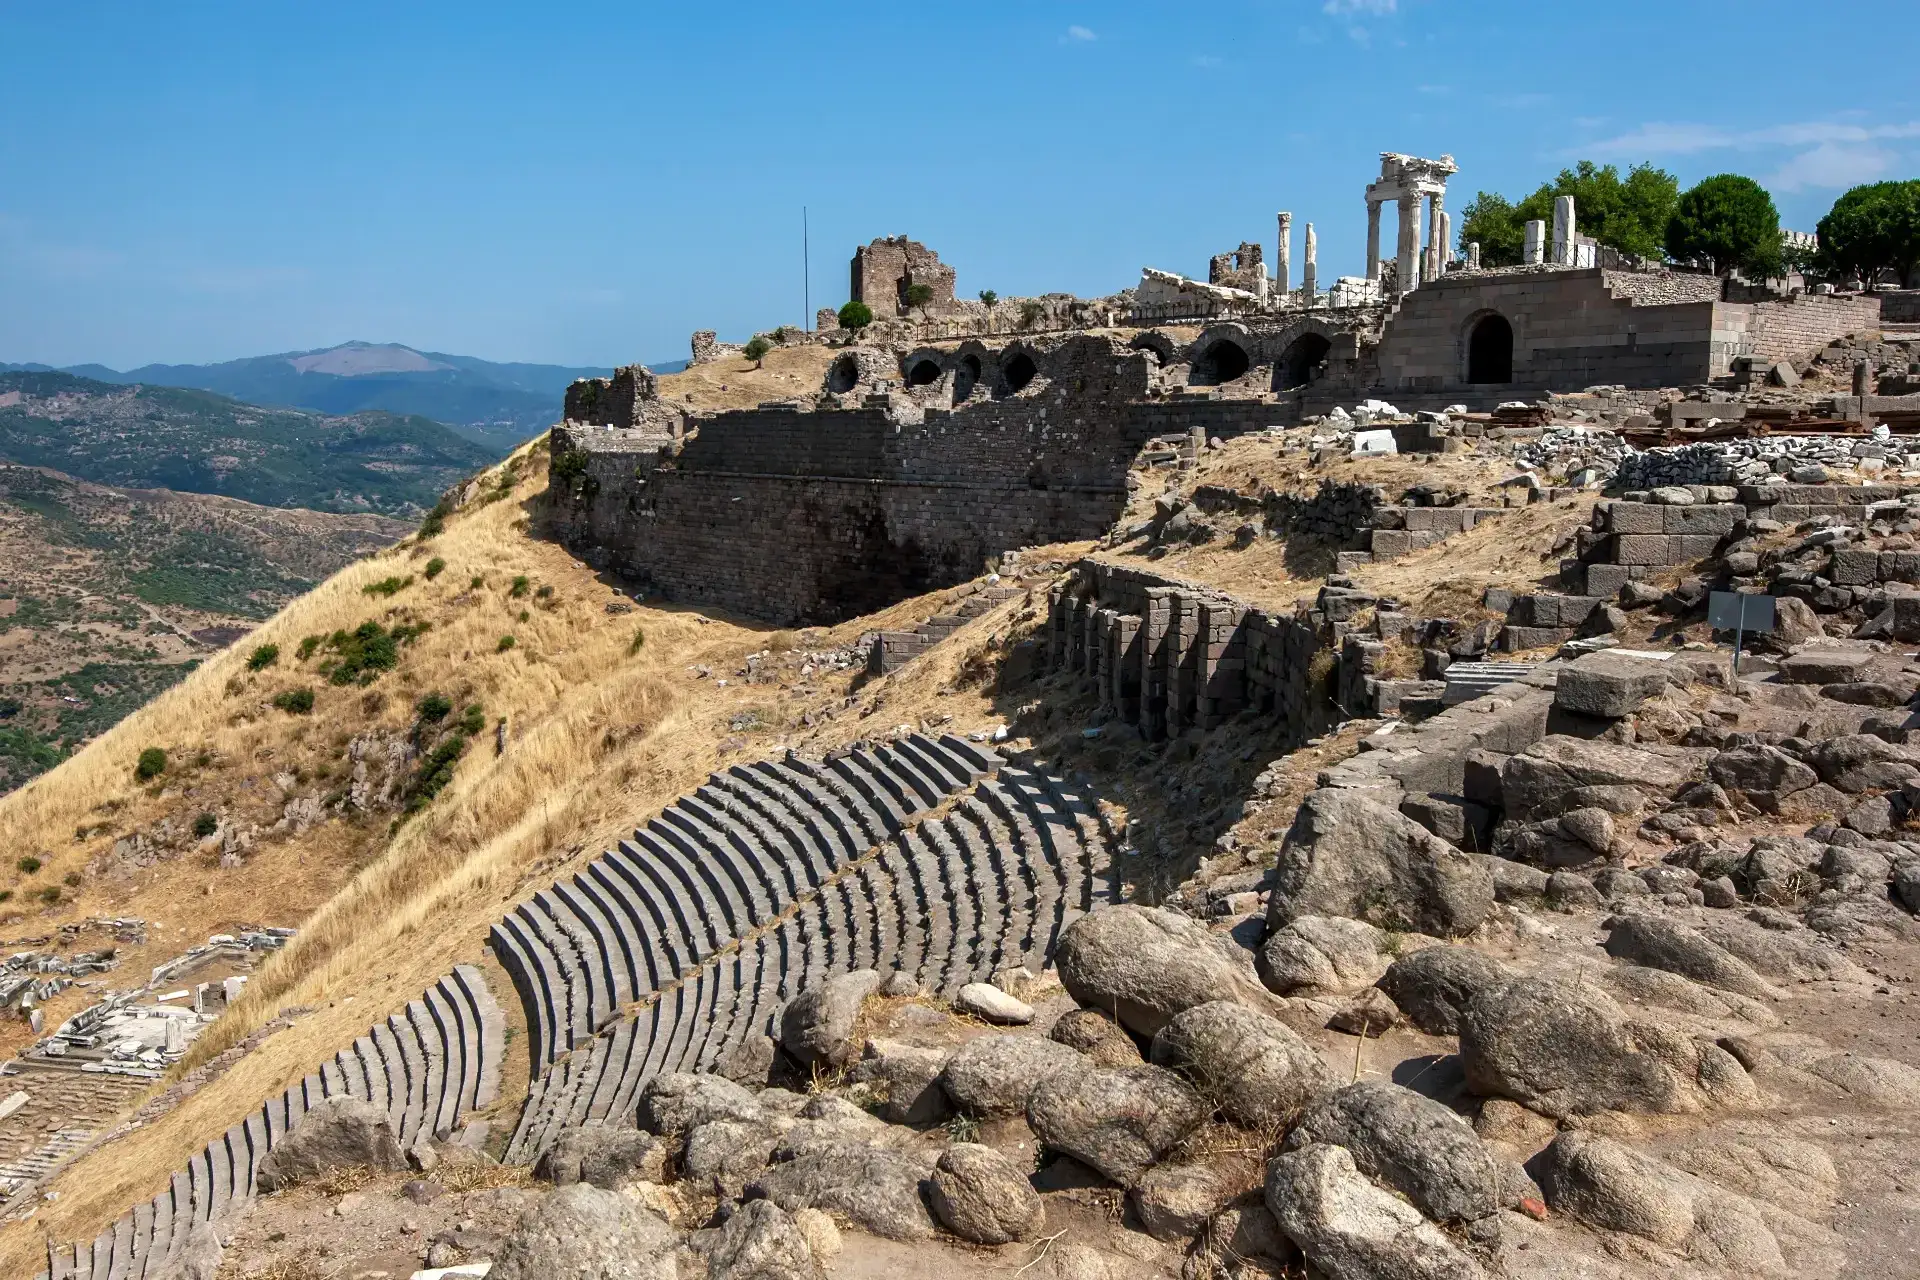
(1608, 684)
(1321, 955)
(1252, 1066)
(1367, 1012)
(1143, 965)
(817, 1026)
(339, 1133)
(723, 1156)
(1431, 986)
(583, 1233)
(990, 1004)
(992, 1075)
(980, 1195)
(1174, 1201)
(1350, 1229)
(1571, 891)
(1567, 1049)
(1349, 855)
(1794, 623)
(603, 1156)
(760, 1242)
(1823, 666)
(1245, 1233)
(197, 1259)
(1764, 774)
(1859, 762)
(673, 1103)
(1117, 1120)
(1660, 943)
(1410, 1143)
(1559, 773)
(1097, 1037)
(750, 1062)
(877, 1188)
(910, 1077)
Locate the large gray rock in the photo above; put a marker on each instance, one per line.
(583, 1233)
(992, 1075)
(1862, 762)
(1608, 684)
(816, 1027)
(1660, 943)
(1412, 1144)
(1175, 1201)
(1096, 1036)
(1561, 773)
(602, 1156)
(1611, 1187)
(1117, 1120)
(980, 1195)
(1321, 955)
(1348, 855)
(1783, 955)
(1253, 1067)
(1432, 985)
(1764, 774)
(1352, 1230)
(879, 1189)
(723, 1156)
(340, 1133)
(1142, 965)
(673, 1103)
(760, 1242)
(1567, 1050)
(198, 1259)
(910, 1076)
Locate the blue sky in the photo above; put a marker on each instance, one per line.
(587, 183)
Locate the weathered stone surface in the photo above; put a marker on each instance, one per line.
(1348, 855)
(602, 1156)
(817, 1026)
(760, 1242)
(751, 1061)
(1862, 762)
(980, 1195)
(1352, 1230)
(583, 1233)
(1823, 666)
(339, 1133)
(1431, 986)
(725, 1155)
(198, 1259)
(1143, 965)
(1412, 1144)
(1118, 1120)
(879, 1189)
(1764, 773)
(1608, 684)
(1550, 777)
(985, 1001)
(1321, 955)
(673, 1103)
(1566, 1050)
(1096, 1036)
(992, 1075)
(1252, 1066)
(1660, 943)
(1174, 1201)
(910, 1075)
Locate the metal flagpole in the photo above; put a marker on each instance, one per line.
(806, 276)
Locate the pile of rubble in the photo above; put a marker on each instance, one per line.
(1769, 459)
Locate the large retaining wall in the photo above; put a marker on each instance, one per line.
(667, 954)
(427, 1066)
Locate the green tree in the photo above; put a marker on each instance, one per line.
(1729, 221)
(1491, 220)
(152, 763)
(1871, 229)
(919, 295)
(756, 349)
(856, 315)
(988, 297)
(1629, 214)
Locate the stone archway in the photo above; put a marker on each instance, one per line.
(1018, 369)
(1222, 361)
(1490, 350)
(966, 377)
(844, 375)
(923, 373)
(1300, 361)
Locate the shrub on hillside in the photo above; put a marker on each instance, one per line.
(152, 763)
(28, 864)
(756, 349)
(388, 586)
(856, 315)
(434, 708)
(307, 646)
(436, 522)
(205, 825)
(521, 585)
(435, 567)
(297, 702)
(506, 643)
(264, 656)
(50, 894)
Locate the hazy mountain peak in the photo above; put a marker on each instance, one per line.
(352, 359)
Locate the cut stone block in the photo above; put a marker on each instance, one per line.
(1823, 666)
(1608, 684)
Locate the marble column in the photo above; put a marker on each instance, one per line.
(1473, 255)
(1373, 239)
(1309, 276)
(1536, 245)
(1436, 237)
(1563, 230)
(1446, 244)
(1282, 269)
(1408, 245)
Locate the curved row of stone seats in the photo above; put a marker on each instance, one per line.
(715, 865)
(428, 1065)
(987, 885)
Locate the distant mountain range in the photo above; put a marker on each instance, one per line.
(498, 405)
(155, 437)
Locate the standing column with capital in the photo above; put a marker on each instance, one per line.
(1408, 246)
(1446, 244)
(1373, 239)
(1282, 272)
(1436, 237)
(1309, 282)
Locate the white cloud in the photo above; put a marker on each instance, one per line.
(1832, 164)
(1378, 8)
(1689, 139)
(1081, 34)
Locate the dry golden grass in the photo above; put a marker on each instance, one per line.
(734, 383)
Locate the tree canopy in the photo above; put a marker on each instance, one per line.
(1729, 221)
(1873, 228)
(1630, 213)
(856, 315)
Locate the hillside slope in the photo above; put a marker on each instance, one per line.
(154, 437)
(110, 595)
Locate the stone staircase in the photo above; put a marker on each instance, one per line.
(894, 649)
(935, 858)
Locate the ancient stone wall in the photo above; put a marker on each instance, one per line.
(883, 270)
(1792, 328)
